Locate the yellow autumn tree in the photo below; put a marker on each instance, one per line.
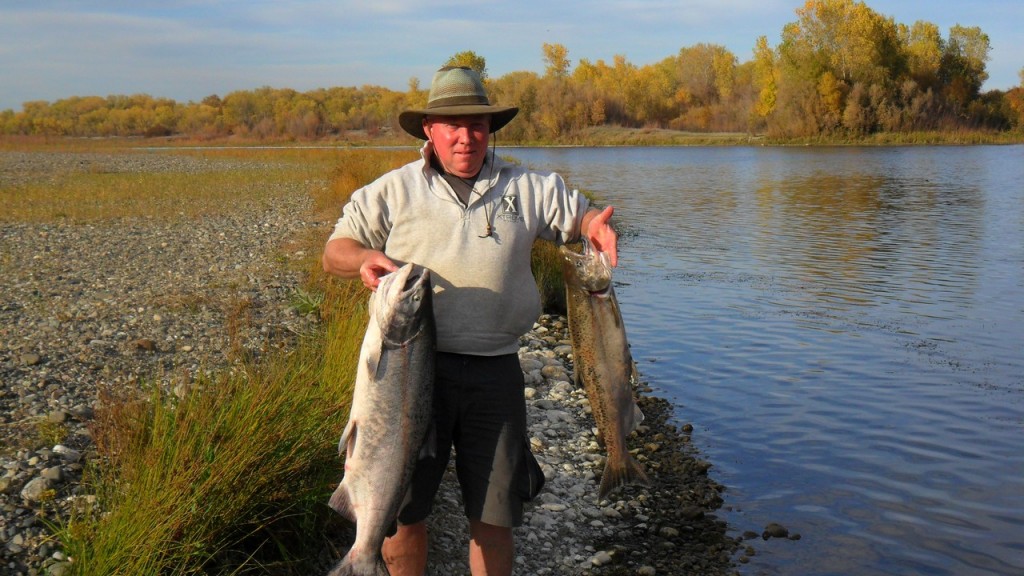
(846, 38)
(556, 60)
(924, 46)
(765, 77)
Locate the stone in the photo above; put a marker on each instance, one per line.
(58, 416)
(143, 344)
(53, 474)
(775, 530)
(668, 532)
(35, 489)
(602, 558)
(67, 454)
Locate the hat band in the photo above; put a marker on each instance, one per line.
(458, 101)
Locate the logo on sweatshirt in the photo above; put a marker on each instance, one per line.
(509, 210)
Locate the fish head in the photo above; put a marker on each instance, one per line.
(403, 304)
(589, 271)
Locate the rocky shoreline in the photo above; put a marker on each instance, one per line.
(87, 306)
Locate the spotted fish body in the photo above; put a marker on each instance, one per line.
(391, 415)
(603, 363)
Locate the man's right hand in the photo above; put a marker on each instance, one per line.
(374, 266)
(347, 258)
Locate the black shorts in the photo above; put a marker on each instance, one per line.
(479, 409)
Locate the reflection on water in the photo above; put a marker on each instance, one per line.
(843, 327)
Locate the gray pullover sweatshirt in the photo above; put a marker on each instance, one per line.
(485, 295)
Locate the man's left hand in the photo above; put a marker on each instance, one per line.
(601, 235)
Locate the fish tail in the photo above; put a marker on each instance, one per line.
(621, 472)
(352, 567)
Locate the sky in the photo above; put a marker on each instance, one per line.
(189, 49)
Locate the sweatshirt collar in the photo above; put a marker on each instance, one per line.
(486, 180)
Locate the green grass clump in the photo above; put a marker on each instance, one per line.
(201, 484)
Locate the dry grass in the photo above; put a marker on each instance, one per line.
(96, 193)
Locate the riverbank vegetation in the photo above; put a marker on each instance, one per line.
(842, 73)
(226, 472)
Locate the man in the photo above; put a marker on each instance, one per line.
(471, 219)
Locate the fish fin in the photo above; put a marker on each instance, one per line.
(629, 472)
(341, 502)
(429, 447)
(373, 361)
(340, 499)
(635, 419)
(638, 415)
(349, 435)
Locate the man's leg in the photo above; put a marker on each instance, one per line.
(406, 552)
(490, 549)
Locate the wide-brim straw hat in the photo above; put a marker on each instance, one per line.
(456, 91)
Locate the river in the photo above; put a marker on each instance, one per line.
(844, 327)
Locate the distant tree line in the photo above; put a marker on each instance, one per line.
(840, 70)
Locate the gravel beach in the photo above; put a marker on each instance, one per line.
(85, 306)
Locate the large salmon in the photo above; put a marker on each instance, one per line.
(391, 414)
(602, 362)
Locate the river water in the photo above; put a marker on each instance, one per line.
(844, 327)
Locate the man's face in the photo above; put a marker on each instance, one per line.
(460, 142)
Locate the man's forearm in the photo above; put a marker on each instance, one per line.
(343, 257)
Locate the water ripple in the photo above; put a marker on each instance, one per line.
(843, 328)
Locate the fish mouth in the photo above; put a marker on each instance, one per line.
(418, 278)
(407, 278)
(412, 277)
(408, 283)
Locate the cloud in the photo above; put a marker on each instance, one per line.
(187, 49)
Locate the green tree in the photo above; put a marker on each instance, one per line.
(471, 60)
(963, 63)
